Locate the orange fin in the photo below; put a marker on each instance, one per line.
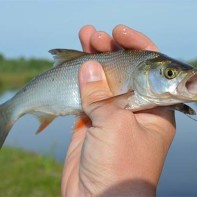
(81, 122)
(45, 120)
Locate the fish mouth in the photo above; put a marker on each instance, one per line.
(188, 87)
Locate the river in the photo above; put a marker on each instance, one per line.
(179, 176)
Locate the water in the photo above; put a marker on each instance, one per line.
(179, 176)
(52, 141)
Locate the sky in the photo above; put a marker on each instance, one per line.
(29, 28)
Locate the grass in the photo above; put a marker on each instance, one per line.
(24, 174)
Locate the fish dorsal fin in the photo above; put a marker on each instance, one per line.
(64, 55)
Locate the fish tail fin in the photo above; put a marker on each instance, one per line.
(6, 122)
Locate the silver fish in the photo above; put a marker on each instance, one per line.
(141, 79)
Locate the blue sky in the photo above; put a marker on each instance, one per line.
(30, 28)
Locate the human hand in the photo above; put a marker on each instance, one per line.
(117, 153)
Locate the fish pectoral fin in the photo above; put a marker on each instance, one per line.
(120, 100)
(44, 119)
(183, 108)
(64, 55)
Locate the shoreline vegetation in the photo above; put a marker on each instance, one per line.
(24, 173)
(28, 174)
(14, 73)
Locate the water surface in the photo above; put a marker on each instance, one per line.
(179, 177)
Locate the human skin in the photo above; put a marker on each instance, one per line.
(116, 152)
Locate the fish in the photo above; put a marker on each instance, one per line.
(139, 79)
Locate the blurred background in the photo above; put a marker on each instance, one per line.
(28, 29)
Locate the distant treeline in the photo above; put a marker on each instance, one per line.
(22, 64)
(14, 73)
(193, 63)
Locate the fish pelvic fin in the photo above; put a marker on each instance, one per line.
(63, 55)
(82, 121)
(6, 122)
(44, 119)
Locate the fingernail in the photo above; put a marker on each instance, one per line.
(92, 71)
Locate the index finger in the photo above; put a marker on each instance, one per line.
(129, 38)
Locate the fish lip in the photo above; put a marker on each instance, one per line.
(182, 88)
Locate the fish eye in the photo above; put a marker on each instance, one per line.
(170, 73)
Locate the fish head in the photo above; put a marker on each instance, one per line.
(164, 79)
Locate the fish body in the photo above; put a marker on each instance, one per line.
(149, 78)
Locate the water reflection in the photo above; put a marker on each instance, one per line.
(179, 177)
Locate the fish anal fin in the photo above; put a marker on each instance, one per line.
(44, 119)
(64, 55)
(81, 122)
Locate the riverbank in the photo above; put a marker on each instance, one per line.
(25, 174)
(14, 73)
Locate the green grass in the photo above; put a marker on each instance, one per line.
(24, 174)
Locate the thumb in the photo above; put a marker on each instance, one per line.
(94, 87)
